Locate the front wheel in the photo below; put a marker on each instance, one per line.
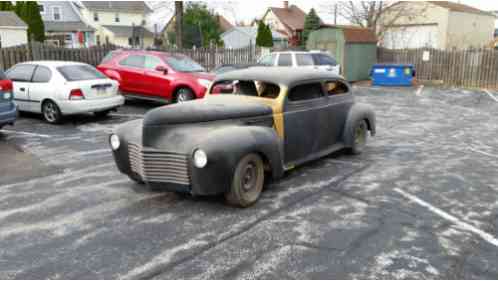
(360, 136)
(51, 112)
(183, 95)
(247, 182)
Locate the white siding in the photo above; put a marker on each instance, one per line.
(412, 37)
(13, 37)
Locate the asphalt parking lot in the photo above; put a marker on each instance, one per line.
(421, 202)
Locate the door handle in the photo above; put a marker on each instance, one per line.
(22, 89)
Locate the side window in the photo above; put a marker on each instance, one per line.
(137, 61)
(152, 62)
(304, 59)
(321, 59)
(305, 92)
(268, 60)
(42, 75)
(21, 73)
(333, 88)
(285, 60)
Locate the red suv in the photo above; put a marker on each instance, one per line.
(156, 75)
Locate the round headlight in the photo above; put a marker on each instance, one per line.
(115, 143)
(200, 158)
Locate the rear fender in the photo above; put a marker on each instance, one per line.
(356, 113)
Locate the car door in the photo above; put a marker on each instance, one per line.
(339, 100)
(21, 75)
(40, 87)
(158, 81)
(304, 118)
(131, 69)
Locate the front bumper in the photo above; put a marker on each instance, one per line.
(8, 113)
(94, 105)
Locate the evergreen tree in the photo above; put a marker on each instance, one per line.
(29, 12)
(264, 37)
(260, 35)
(6, 6)
(311, 23)
(268, 37)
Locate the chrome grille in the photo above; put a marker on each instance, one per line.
(159, 166)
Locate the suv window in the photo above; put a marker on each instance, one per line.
(336, 88)
(304, 59)
(285, 60)
(268, 60)
(152, 62)
(137, 61)
(21, 73)
(322, 59)
(42, 74)
(307, 91)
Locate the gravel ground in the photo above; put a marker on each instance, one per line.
(421, 202)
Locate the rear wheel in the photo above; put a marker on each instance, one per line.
(247, 182)
(360, 136)
(51, 112)
(183, 95)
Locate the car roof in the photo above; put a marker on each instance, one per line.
(280, 75)
(146, 52)
(50, 63)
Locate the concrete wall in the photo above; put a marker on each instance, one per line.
(469, 30)
(13, 36)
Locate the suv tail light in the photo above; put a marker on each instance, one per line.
(76, 94)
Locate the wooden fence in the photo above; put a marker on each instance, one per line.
(207, 57)
(476, 68)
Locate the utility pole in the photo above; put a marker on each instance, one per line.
(335, 13)
(179, 23)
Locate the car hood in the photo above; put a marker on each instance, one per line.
(213, 108)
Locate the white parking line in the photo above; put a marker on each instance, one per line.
(490, 95)
(484, 153)
(419, 90)
(26, 133)
(459, 223)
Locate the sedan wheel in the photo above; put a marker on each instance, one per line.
(184, 95)
(248, 181)
(51, 112)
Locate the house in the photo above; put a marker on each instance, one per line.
(13, 31)
(169, 28)
(119, 22)
(438, 24)
(288, 20)
(243, 36)
(64, 25)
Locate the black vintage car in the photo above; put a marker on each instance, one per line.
(254, 123)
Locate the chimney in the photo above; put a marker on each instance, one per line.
(286, 4)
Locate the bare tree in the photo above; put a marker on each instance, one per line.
(377, 15)
(179, 23)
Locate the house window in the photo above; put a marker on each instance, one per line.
(116, 18)
(41, 8)
(95, 16)
(56, 12)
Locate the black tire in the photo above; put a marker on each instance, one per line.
(360, 136)
(183, 95)
(102, 113)
(51, 112)
(248, 181)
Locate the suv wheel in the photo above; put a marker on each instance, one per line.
(183, 95)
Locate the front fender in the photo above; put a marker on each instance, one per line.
(356, 113)
(225, 147)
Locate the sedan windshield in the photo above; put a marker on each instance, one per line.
(184, 64)
(80, 72)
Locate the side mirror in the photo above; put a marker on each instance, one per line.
(162, 69)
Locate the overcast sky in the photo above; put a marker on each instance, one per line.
(247, 10)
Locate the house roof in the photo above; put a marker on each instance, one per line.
(355, 34)
(67, 26)
(224, 23)
(252, 31)
(11, 19)
(118, 6)
(457, 7)
(292, 17)
(127, 31)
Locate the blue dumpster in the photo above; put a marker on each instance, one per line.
(393, 74)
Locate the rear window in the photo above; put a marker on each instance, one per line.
(247, 88)
(2, 75)
(304, 59)
(80, 72)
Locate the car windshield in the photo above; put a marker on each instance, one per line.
(247, 88)
(183, 64)
(80, 72)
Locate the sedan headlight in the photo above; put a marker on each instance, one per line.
(115, 142)
(200, 158)
(204, 83)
